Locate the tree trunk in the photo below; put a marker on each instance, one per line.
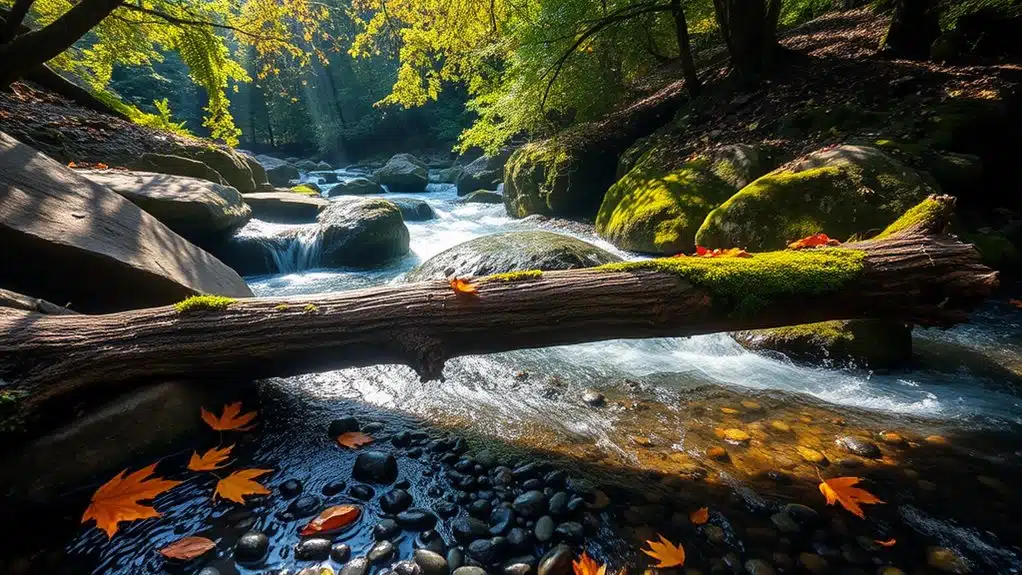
(913, 276)
(749, 30)
(32, 49)
(688, 65)
(914, 27)
(12, 20)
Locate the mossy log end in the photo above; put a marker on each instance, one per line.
(916, 275)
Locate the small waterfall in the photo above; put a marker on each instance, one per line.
(296, 250)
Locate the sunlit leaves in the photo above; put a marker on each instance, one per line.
(813, 241)
(586, 565)
(213, 459)
(231, 420)
(843, 490)
(668, 554)
(463, 287)
(332, 519)
(118, 500)
(241, 484)
(353, 439)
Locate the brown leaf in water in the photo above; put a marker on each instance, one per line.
(231, 420)
(889, 543)
(331, 519)
(353, 439)
(187, 548)
(842, 490)
(665, 552)
(212, 459)
(241, 483)
(586, 565)
(700, 516)
(117, 500)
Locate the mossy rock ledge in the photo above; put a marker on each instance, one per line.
(556, 178)
(512, 252)
(843, 191)
(362, 232)
(865, 343)
(403, 173)
(658, 206)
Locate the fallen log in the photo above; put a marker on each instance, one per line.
(914, 274)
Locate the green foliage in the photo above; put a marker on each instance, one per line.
(924, 215)
(204, 303)
(306, 190)
(745, 285)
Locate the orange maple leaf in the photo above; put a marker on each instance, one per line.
(461, 286)
(72, 165)
(700, 516)
(889, 543)
(239, 484)
(187, 548)
(212, 459)
(331, 519)
(1016, 302)
(665, 552)
(842, 490)
(702, 252)
(813, 241)
(117, 500)
(101, 166)
(232, 418)
(586, 565)
(353, 439)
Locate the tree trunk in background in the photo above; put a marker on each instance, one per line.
(914, 27)
(688, 66)
(749, 30)
(32, 49)
(13, 19)
(335, 98)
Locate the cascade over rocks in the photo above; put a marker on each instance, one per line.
(101, 252)
(512, 251)
(200, 210)
(403, 173)
(658, 205)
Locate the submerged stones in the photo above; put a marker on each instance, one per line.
(859, 446)
(874, 343)
(251, 547)
(375, 467)
(315, 549)
(531, 503)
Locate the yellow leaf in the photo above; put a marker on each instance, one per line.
(117, 500)
(700, 516)
(239, 484)
(842, 490)
(461, 286)
(586, 565)
(212, 459)
(665, 552)
(232, 418)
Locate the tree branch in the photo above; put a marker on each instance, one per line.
(201, 23)
(13, 19)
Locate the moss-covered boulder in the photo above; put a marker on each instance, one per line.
(176, 166)
(874, 344)
(307, 189)
(229, 163)
(483, 173)
(556, 178)
(658, 206)
(362, 232)
(356, 187)
(843, 191)
(446, 175)
(403, 173)
(510, 252)
(413, 210)
(483, 197)
(960, 175)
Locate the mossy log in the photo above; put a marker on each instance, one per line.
(916, 275)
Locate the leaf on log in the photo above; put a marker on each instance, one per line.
(813, 241)
(463, 287)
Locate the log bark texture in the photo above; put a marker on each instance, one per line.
(912, 277)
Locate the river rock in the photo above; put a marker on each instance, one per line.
(413, 210)
(519, 539)
(386, 529)
(946, 560)
(531, 504)
(375, 467)
(315, 549)
(282, 175)
(455, 558)
(304, 506)
(431, 540)
(758, 567)
(251, 547)
(593, 398)
(407, 567)
(356, 187)
(361, 232)
(859, 446)
(501, 520)
(512, 251)
(362, 492)
(544, 529)
(357, 566)
(518, 566)
(483, 197)
(101, 252)
(467, 529)
(229, 163)
(290, 488)
(395, 501)
(557, 561)
(382, 551)
(417, 519)
(431, 563)
(483, 551)
(340, 552)
(570, 531)
(285, 207)
(482, 173)
(306, 165)
(403, 173)
(469, 570)
(177, 166)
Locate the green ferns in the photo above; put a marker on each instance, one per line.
(745, 285)
(204, 303)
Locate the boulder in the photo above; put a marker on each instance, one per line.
(285, 207)
(510, 252)
(310, 189)
(324, 167)
(483, 173)
(69, 239)
(356, 187)
(269, 162)
(959, 175)
(843, 191)
(306, 165)
(867, 343)
(258, 171)
(197, 209)
(403, 173)
(325, 177)
(176, 166)
(447, 175)
(413, 210)
(228, 163)
(658, 206)
(362, 232)
(483, 197)
(554, 178)
(282, 174)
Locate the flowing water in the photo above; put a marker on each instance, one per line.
(658, 448)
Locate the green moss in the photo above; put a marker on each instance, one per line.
(518, 276)
(310, 308)
(306, 190)
(282, 307)
(204, 302)
(824, 331)
(875, 343)
(745, 285)
(926, 214)
(996, 249)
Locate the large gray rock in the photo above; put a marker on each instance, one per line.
(281, 175)
(512, 251)
(483, 197)
(285, 207)
(413, 210)
(307, 165)
(362, 232)
(228, 163)
(197, 209)
(403, 173)
(356, 187)
(483, 173)
(258, 171)
(269, 162)
(69, 239)
(176, 166)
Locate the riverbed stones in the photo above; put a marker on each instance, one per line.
(403, 173)
(558, 504)
(386, 529)
(304, 506)
(415, 518)
(593, 398)
(483, 550)
(736, 436)
(290, 489)
(315, 549)
(501, 520)
(357, 566)
(570, 531)
(785, 523)
(285, 207)
(251, 547)
(382, 551)
(407, 567)
(557, 561)
(467, 529)
(431, 563)
(544, 529)
(361, 232)
(531, 503)
(375, 467)
(759, 567)
(340, 552)
(395, 501)
(413, 210)
(859, 446)
(811, 455)
(469, 570)
(946, 560)
(813, 563)
(509, 252)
